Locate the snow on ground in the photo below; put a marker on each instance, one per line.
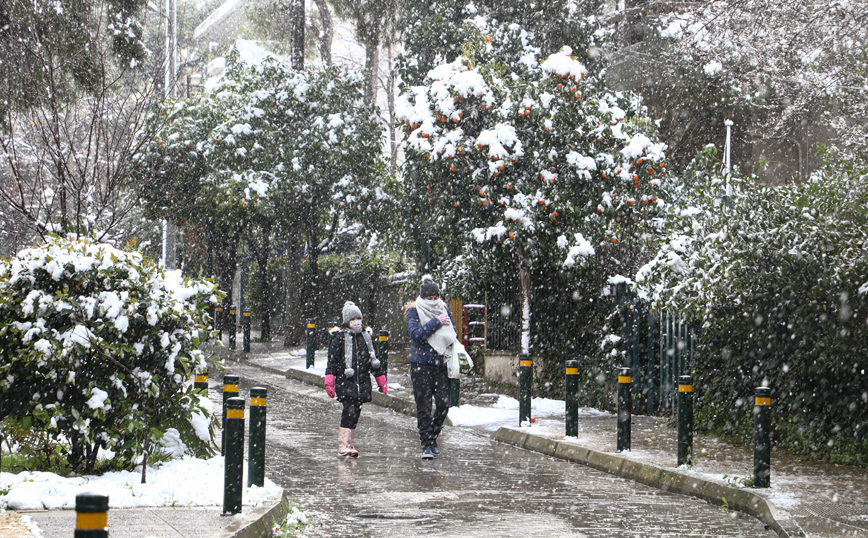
(181, 482)
(504, 412)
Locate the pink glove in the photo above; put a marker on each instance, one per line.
(381, 381)
(330, 385)
(443, 318)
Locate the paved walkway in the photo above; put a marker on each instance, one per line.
(806, 498)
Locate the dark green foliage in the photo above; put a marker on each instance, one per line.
(779, 284)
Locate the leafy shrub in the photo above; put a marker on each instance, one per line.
(778, 281)
(98, 346)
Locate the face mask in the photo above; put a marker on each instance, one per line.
(429, 302)
(356, 324)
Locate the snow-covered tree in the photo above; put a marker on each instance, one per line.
(99, 348)
(271, 146)
(527, 154)
(783, 67)
(73, 95)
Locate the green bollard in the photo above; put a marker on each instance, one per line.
(218, 320)
(311, 341)
(200, 381)
(233, 464)
(230, 390)
(256, 450)
(91, 516)
(383, 354)
(685, 420)
(525, 384)
(454, 390)
(571, 399)
(245, 327)
(762, 449)
(232, 322)
(625, 408)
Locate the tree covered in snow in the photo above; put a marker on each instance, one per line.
(782, 67)
(530, 155)
(274, 148)
(433, 32)
(73, 95)
(99, 348)
(777, 280)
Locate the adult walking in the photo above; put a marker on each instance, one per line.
(351, 363)
(432, 332)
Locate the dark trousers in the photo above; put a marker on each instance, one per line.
(350, 414)
(430, 382)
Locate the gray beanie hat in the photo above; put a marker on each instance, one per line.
(351, 311)
(428, 287)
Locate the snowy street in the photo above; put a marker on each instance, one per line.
(475, 488)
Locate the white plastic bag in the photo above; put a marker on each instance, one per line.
(458, 362)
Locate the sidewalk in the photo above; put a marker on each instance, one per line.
(806, 498)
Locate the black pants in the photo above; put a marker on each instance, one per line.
(350, 414)
(430, 382)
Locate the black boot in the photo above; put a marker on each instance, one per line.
(427, 453)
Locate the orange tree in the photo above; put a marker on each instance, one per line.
(530, 156)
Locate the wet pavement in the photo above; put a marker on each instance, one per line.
(475, 488)
(806, 497)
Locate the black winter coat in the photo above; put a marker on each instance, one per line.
(359, 386)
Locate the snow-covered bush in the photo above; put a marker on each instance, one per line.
(778, 282)
(99, 346)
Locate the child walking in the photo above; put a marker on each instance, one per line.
(351, 363)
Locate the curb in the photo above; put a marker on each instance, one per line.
(406, 407)
(657, 477)
(257, 523)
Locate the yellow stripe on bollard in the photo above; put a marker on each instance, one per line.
(230, 388)
(625, 379)
(257, 401)
(201, 379)
(247, 314)
(763, 401)
(685, 388)
(311, 325)
(91, 521)
(235, 413)
(383, 338)
(572, 371)
(524, 363)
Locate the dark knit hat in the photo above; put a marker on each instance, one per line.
(428, 287)
(351, 311)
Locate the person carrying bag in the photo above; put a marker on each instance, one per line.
(432, 332)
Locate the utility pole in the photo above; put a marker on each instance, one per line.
(167, 260)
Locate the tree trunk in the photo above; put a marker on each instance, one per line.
(312, 295)
(293, 328)
(325, 41)
(261, 250)
(390, 95)
(372, 61)
(225, 247)
(297, 45)
(524, 277)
